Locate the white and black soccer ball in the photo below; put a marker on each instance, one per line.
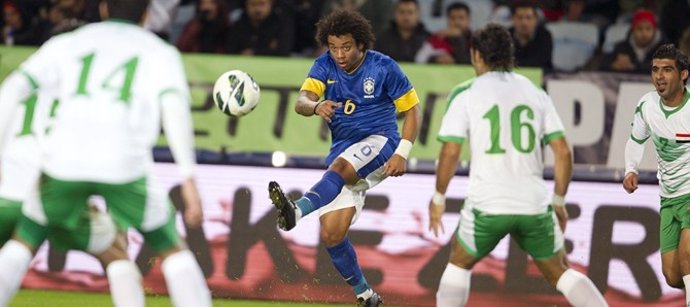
(236, 93)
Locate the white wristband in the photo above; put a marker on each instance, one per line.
(558, 201)
(438, 199)
(404, 148)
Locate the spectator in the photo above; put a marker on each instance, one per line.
(207, 31)
(405, 35)
(160, 16)
(635, 54)
(306, 14)
(674, 19)
(65, 16)
(22, 24)
(450, 45)
(533, 42)
(261, 31)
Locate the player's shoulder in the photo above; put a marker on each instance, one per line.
(648, 97)
(461, 89)
(378, 59)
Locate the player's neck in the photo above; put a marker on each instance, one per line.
(358, 64)
(676, 100)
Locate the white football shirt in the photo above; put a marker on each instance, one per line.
(114, 81)
(507, 119)
(669, 129)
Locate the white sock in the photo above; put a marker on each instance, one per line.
(579, 290)
(126, 286)
(686, 281)
(186, 283)
(14, 262)
(454, 288)
(366, 294)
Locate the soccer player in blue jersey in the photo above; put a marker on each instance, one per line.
(363, 91)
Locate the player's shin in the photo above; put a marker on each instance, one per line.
(125, 284)
(15, 258)
(344, 259)
(579, 290)
(185, 281)
(322, 193)
(686, 281)
(454, 288)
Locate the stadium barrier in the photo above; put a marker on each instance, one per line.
(612, 237)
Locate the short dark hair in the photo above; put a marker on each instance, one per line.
(457, 6)
(669, 51)
(131, 10)
(524, 4)
(344, 22)
(495, 45)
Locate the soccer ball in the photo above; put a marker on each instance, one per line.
(236, 93)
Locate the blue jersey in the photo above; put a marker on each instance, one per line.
(371, 96)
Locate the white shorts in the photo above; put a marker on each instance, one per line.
(359, 155)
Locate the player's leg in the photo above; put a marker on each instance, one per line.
(10, 212)
(97, 234)
(356, 162)
(476, 236)
(541, 237)
(669, 238)
(335, 219)
(145, 207)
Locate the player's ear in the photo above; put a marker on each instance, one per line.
(684, 74)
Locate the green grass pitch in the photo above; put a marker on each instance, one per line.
(41, 298)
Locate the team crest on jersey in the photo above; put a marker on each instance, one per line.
(369, 87)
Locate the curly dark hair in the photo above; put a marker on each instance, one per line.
(344, 22)
(132, 10)
(495, 45)
(669, 51)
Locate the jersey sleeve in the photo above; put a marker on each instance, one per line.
(400, 89)
(553, 126)
(455, 124)
(640, 128)
(316, 79)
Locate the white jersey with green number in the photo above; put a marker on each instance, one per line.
(110, 79)
(506, 119)
(669, 129)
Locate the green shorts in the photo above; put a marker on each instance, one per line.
(538, 235)
(10, 211)
(674, 215)
(135, 204)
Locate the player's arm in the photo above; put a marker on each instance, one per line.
(445, 170)
(176, 119)
(562, 172)
(397, 164)
(16, 88)
(634, 149)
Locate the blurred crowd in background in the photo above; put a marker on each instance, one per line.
(556, 35)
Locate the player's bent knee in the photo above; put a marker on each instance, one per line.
(332, 238)
(673, 279)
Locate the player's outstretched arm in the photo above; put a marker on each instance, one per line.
(562, 172)
(447, 164)
(397, 164)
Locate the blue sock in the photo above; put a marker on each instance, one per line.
(322, 193)
(345, 261)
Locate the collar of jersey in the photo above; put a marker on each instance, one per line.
(670, 112)
(364, 58)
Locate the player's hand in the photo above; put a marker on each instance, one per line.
(193, 213)
(562, 216)
(396, 166)
(326, 109)
(435, 221)
(630, 182)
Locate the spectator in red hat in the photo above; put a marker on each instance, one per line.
(22, 24)
(635, 54)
